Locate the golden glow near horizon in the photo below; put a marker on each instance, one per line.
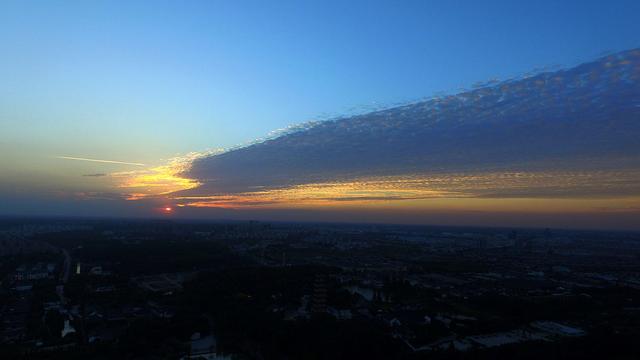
(490, 191)
(319, 194)
(495, 191)
(159, 180)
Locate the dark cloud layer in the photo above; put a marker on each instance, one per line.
(583, 118)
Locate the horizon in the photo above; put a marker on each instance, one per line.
(212, 221)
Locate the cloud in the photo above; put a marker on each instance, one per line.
(161, 180)
(366, 191)
(569, 133)
(99, 160)
(563, 135)
(95, 175)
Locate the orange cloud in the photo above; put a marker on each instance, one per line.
(159, 180)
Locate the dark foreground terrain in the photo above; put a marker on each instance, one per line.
(101, 289)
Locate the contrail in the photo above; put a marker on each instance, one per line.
(100, 161)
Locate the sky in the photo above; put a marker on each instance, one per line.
(149, 86)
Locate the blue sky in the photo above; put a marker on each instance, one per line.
(183, 76)
(143, 81)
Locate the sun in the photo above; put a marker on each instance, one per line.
(168, 209)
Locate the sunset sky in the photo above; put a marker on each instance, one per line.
(134, 108)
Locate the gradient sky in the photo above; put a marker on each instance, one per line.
(145, 81)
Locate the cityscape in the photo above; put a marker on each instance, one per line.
(79, 288)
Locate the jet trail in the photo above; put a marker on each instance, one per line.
(100, 161)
